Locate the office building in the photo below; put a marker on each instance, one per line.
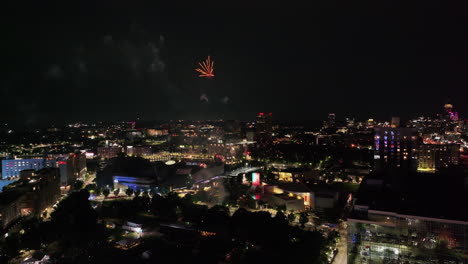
(432, 157)
(263, 129)
(395, 148)
(108, 152)
(330, 122)
(12, 167)
(72, 168)
(139, 151)
(264, 124)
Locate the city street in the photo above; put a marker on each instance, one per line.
(342, 256)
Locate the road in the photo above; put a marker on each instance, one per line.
(342, 256)
(242, 170)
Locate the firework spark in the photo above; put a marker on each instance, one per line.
(206, 68)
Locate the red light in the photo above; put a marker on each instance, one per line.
(261, 113)
(269, 113)
(62, 162)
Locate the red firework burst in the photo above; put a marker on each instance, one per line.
(206, 68)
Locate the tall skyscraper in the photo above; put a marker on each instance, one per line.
(263, 126)
(331, 120)
(264, 122)
(395, 148)
(449, 114)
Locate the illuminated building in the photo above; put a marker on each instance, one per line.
(129, 172)
(12, 167)
(72, 168)
(350, 122)
(395, 148)
(293, 196)
(250, 135)
(108, 152)
(139, 151)
(448, 108)
(156, 132)
(29, 196)
(295, 174)
(437, 156)
(131, 125)
(134, 183)
(395, 122)
(449, 114)
(263, 127)
(285, 176)
(418, 222)
(290, 201)
(330, 122)
(300, 191)
(370, 123)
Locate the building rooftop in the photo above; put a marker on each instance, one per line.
(417, 194)
(293, 187)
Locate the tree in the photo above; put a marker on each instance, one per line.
(137, 193)
(303, 219)
(11, 246)
(105, 192)
(44, 214)
(173, 199)
(291, 217)
(145, 194)
(116, 192)
(97, 191)
(129, 192)
(200, 196)
(78, 185)
(280, 218)
(91, 187)
(74, 222)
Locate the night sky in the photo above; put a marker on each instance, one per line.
(122, 61)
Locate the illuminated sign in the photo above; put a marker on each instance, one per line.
(255, 179)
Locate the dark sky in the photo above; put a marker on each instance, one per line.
(117, 61)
